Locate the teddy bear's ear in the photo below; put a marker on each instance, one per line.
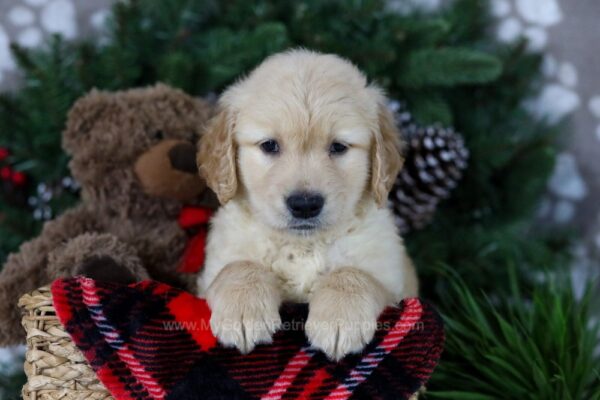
(83, 116)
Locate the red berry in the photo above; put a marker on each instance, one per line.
(5, 172)
(4, 153)
(19, 178)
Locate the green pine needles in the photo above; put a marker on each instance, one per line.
(509, 336)
(541, 344)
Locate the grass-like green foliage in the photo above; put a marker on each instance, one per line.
(536, 345)
(448, 69)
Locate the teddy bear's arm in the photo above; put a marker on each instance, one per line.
(101, 256)
(27, 269)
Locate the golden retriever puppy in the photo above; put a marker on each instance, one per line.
(302, 154)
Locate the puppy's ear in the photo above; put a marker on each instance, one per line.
(386, 159)
(216, 158)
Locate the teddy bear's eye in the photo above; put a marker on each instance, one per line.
(159, 135)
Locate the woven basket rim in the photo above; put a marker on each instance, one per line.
(54, 366)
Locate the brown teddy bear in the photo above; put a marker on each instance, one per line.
(133, 154)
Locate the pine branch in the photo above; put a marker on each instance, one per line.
(448, 67)
(535, 345)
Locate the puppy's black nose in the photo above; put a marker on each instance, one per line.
(305, 205)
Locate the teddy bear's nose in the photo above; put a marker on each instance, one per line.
(183, 157)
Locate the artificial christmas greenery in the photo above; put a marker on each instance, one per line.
(527, 345)
(510, 334)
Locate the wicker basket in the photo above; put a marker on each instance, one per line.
(55, 368)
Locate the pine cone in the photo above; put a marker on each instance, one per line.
(435, 158)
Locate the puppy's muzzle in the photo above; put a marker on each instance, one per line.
(305, 205)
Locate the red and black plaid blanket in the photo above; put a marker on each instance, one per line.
(151, 341)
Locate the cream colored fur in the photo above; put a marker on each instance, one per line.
(353, 263)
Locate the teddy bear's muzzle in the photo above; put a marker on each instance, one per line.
(168, 169)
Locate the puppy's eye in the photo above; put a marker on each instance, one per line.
(337, 148)
(159, 135)
(270, 146)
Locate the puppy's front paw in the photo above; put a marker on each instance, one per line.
(339, 324)
(245, 306)
(245, 324)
